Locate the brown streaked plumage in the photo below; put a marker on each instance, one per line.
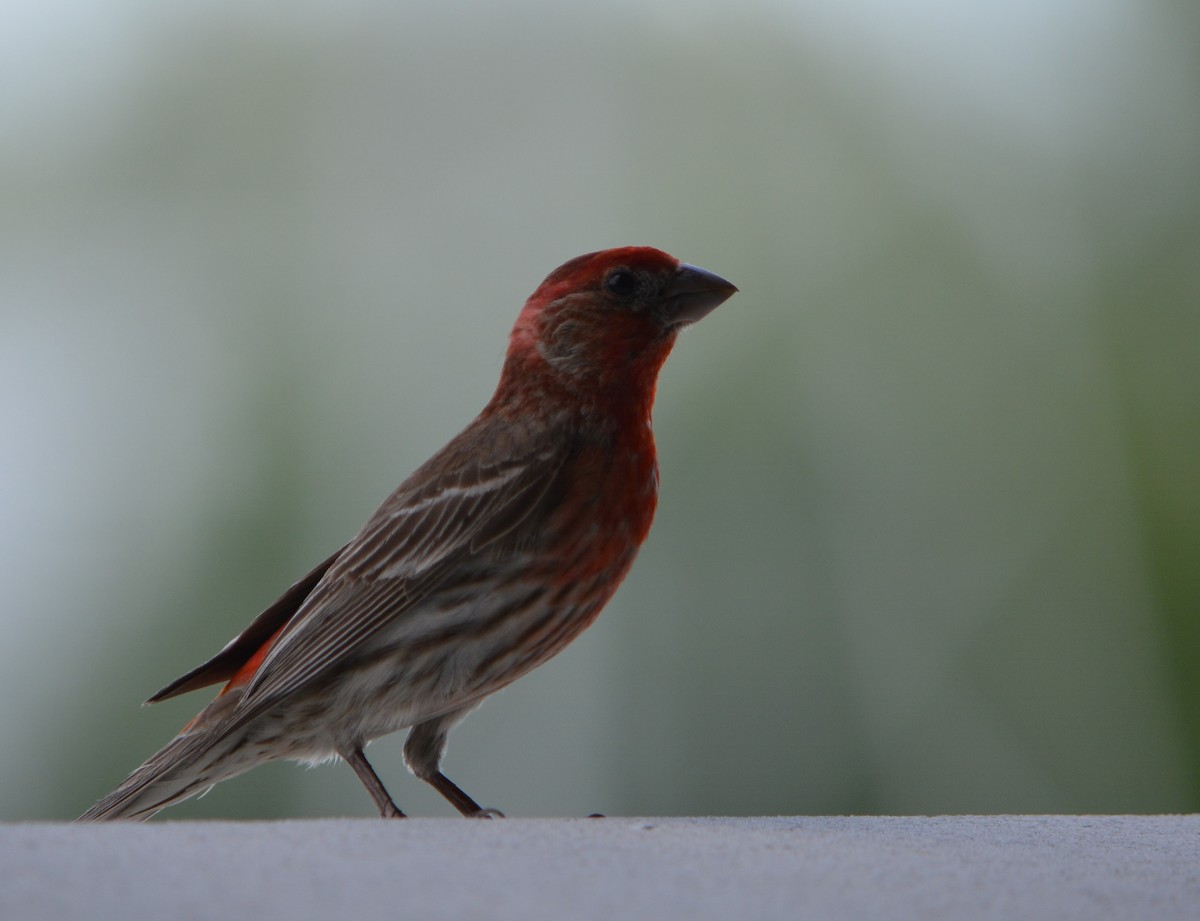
(487, 561)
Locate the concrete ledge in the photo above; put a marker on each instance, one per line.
(1028, 867)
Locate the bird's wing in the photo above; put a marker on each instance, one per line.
(456, 504)
(238, 651)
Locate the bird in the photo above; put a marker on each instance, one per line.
(488, 560)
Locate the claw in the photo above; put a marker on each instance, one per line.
(486, 814)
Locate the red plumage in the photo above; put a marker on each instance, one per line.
(489, 559)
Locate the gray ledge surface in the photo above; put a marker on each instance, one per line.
(1028, 867)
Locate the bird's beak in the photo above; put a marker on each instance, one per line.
(694, 293)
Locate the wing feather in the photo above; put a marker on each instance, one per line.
(402, 555)
(241, 648)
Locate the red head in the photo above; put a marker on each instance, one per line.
(602, 324)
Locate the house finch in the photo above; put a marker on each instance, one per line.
(486, 562)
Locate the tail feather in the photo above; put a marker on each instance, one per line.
(186, 766)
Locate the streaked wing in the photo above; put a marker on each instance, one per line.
(225, 664)
(456, 504)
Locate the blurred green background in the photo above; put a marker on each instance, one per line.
(930, 514)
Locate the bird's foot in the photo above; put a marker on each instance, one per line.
(484, 814)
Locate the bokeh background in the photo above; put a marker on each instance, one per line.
(929, 528)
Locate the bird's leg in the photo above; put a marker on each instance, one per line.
(459, 799)
(423, 750)
(357, 760)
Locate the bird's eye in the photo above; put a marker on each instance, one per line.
(621, 282)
